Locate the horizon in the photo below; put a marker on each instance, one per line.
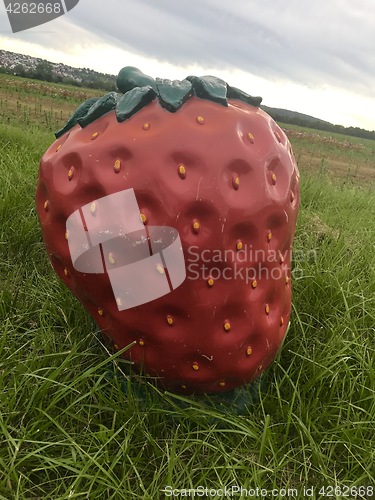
(313, 60)
(114, 75)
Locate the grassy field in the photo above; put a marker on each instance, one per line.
(72, 427)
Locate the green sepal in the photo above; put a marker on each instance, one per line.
(140, 89)
(99, 108)
(130, 78)
(133, 101)
(210, 87)
(173, 94)
(234, 93)
(81, 111)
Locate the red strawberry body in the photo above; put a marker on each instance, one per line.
(226, 179)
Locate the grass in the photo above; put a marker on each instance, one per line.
(24, 101)
(348, 160)
(71, 426)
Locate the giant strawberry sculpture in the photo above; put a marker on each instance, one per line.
(195, 165)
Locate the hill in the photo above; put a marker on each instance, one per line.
(295, 118)
(40, 69)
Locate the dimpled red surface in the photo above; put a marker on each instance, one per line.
(226, 179)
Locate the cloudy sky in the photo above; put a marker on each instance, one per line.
(316, 57)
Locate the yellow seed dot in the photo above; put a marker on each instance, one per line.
(170, 320)
(146, 126)
(117, 166)
(100, 312)
(236, 182)
(93, 207)
(195, 366)
(239, 245)
(250, 137)
(269, 236)
(260, 368)
(200, 120)
(94, 135)
(58, 147)
(281, 321)
(116, 347)
(287, 280)
(227, 326)
(46, 205)
(141, 342)
(273, 178)
(71, 173)
(160, 268)
(292, 196)
(267, 309)
(196, 226)
(249, 351)
(143, 218)
(111, 258)
(66, 272)
(183, 387)
(254, 284)
(210, 282)
(222, 383)
(182, 171)
(281, 259)
(66, 235)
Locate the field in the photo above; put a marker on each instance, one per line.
(72, 426)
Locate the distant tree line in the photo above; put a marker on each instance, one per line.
(325, 126)
(45, 71)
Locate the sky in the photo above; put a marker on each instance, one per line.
(316, 57)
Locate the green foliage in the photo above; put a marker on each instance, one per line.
(43, 71)
(72, 425)
(79, 77)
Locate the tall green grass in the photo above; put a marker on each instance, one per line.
(71, 426)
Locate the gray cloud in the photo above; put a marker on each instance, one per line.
(311, 43)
